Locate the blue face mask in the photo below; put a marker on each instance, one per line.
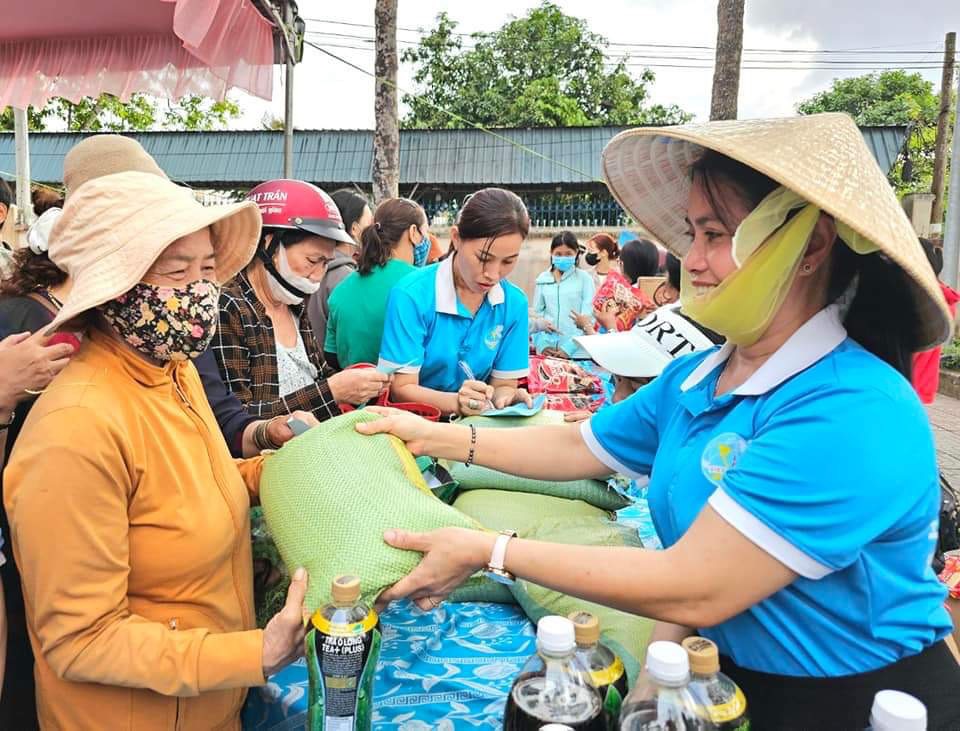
(421, 251)
(563, 263)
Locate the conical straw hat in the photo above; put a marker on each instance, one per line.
(821, 157)
(114, 228)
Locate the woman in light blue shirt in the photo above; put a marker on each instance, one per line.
(455, 333)
(563, 292)
(793, 477)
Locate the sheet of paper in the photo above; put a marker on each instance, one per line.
(520, 409)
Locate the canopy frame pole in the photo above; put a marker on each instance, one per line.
(21, 135)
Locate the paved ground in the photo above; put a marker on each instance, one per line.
(945, 416)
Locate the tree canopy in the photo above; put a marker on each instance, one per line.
(889, 98)
(546, 69)
(107, 113)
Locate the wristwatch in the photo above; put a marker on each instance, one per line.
(495, 570)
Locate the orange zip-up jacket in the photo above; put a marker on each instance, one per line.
(130, 524)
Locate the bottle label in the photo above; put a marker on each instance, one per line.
(341, 659)
(729, 711)
(608, 675)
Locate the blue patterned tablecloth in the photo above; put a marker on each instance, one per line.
(447, 669)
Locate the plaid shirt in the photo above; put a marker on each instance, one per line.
(246, 352)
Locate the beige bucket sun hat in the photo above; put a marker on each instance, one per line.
(821, 157)
(114, 228)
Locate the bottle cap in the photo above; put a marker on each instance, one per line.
(586, 627)
(667, 661)
(345, 590)
(703, 655)
(896, 711)
(555, 635)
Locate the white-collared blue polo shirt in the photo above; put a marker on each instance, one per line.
(824, 458)
(428, 331)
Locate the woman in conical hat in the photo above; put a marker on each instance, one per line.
(793, 475)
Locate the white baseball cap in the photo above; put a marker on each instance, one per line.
(649, 346)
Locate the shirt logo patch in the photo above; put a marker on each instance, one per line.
(721, 454)
(492, 340)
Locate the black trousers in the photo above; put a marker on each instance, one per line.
(787, 703)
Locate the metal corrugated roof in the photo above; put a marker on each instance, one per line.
(463, 158)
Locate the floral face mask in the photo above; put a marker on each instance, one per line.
(166, 323)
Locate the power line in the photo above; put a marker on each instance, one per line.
(659, 62)
(865, 63)
(868, 50)
(456, 116)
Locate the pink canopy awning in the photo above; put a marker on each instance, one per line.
(168, 48)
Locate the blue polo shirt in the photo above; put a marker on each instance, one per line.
(428, 331)
(824, 458)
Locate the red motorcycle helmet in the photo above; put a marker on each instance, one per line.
(295, 204)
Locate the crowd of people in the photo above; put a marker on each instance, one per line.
(156, 350)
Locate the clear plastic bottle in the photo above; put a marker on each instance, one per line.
(342, 646)
(717, 694)
(661, 701)
(605, 668)
(896, 711)
(553, 688)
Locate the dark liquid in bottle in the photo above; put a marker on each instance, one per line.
(527, 711)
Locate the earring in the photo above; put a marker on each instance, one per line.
(806, 268)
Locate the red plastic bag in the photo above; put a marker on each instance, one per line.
(629, 303)
(559, 376)
(427, 411)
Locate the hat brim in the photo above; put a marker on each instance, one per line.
(624, 354)
(235, 232)
(328, 231)
(822, 157)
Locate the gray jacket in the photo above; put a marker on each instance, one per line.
(317, 309)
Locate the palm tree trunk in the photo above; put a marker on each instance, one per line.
(386, 136)
(726, 70)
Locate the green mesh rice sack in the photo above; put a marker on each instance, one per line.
(625, 634)
(329, 495)
(499, 510)
(595, 492)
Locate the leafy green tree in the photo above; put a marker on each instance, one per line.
(889, 98)
(546, 69)
(108, 113)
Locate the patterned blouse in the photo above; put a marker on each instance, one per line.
(246, 351)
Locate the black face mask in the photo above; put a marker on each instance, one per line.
(592, 258)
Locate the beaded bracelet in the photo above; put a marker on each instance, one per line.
(473, 446)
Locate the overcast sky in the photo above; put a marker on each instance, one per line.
(332, 95)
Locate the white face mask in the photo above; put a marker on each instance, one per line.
(295, 280)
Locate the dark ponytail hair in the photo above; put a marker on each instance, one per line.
(31, 273)
(565, 238)
(393, 217)
(882, 315)
(350, 204)
(639, 258)
(490, 213)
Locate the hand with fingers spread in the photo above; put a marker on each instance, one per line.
(414, 431)
(475, 397)
(358, 385)
(28, 363)
(284, 634)
(450, 557)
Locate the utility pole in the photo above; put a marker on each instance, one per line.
(726, 68)
(25, 215)
(386, 135)
(951, 238)
(943, 132)
(288, 100)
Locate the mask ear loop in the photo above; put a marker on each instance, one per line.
(265, 254)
